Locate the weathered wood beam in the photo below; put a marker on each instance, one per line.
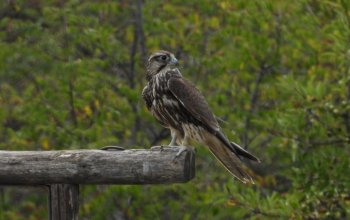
(137, 166)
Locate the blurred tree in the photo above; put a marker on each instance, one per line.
(277, 73)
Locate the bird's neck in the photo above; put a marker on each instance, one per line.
(153, 73)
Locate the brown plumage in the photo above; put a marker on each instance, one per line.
(179, 106)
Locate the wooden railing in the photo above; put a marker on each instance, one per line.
(63, 171)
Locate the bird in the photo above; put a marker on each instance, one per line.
(179, 106)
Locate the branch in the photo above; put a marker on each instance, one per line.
(71, 103)
(253, 102)
(139, 38)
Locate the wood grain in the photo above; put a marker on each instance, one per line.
(64, 201)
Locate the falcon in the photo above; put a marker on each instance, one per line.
(179, 106)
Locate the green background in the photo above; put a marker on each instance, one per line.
(276, 72)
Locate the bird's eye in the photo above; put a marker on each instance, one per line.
(163, 57)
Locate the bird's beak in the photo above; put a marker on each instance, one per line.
(173, 61)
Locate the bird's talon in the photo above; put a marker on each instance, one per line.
(175, 158)
(183, 149)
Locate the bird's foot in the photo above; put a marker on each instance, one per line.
(182, 150)
(112, 148)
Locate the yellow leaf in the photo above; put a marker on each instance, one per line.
(241, 66)
(87, 110)
(45, 143)
(232, 202)
(97, 104)
(109, 116)
(214, 22)
(224, 5)
(196, 22)
(129, 34)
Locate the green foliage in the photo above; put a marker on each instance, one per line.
(277, 73)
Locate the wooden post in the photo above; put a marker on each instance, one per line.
(63, 201)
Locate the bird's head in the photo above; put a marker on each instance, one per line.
(158, 61)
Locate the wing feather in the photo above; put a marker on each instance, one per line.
(190, 97)
(226, 152)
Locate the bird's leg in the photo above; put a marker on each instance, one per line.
(173, 138)
(172, 142)
(184, 147)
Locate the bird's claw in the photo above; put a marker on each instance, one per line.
(182, 150)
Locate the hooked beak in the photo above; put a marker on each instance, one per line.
(173, 61)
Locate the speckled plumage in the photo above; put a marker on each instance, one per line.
(179, 106)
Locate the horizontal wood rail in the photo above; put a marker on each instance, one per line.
(64, 170)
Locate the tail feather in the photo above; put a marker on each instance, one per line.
(242, 152)
(228, 159)
(235, 148)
